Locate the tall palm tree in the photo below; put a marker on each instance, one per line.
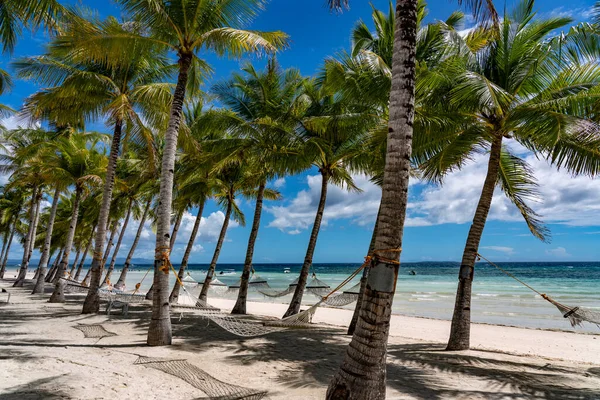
(84, 163)
(362, 374)
(267, 105)
(333, 132)
(186, 28)
(132, 92)
(519, 88)
(11, 206)
(231, 181)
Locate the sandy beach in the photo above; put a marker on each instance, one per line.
(44, 355)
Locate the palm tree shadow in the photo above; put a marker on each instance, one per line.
(44, 388)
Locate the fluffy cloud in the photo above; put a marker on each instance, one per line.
(279, 183)
(299, 214)
(563, 199)
(210, 227)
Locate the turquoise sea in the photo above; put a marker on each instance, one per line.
(497, 298)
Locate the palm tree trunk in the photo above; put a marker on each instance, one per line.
(58, 296)
(42, 270)
(25, 260)
(363, 280)
(240, 304)
(159, 331)
(362, 374)
(213, 263)
(118, 246)
(110, 243)
(52, 272)
(296, 302)
(36, 222)
(84, 256)
(86, 279)
(460, 331)
(10, 239)
(4, 243)
(123, 276)
(92, 301)
(174, 297)
(150, 293)
(75, 261)
(176, 229)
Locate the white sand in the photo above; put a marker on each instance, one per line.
(43, 356)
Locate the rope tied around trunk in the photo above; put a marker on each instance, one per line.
(166, 265)
(97, 256)
(377, 257)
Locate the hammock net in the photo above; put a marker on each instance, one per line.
(212, 387)
(318, 287)
(274, 293)
(343, 299)
(575, 315)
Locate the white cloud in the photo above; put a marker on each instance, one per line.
(501, 249)
(563, 199)
(279, 183)
(299, 214)
(579, 14)
(209, 230)
(558, 252)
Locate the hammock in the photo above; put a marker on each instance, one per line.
(72, 286)
(269, 292)
(346, 297)
(576, 315)
(212, 387)
(216, 286)
(255, 282)
(318, 287)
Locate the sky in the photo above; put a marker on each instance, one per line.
(438, 217)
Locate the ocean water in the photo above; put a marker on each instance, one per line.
(497, 298)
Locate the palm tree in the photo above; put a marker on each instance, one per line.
(11, 206)
(519, 88)
(186, 28)
(129, 92)
(362, 374)
(26, 168)
(268, 107)
(84, 163)
(333, 132)
(231, 180)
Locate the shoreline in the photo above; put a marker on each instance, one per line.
(44, 355)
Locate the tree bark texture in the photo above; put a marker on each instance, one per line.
(159, 331)
(10, 239)
(92, 301)
(362, 374)
(113, 260)
(42, 269)
(215, 259)
(240, 304)
(296, 301)
(25, 259)
(121, 282)
(174, 297)
(58, 296)
(460, 331)
(84, 256)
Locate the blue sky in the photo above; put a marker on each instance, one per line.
(438, 217)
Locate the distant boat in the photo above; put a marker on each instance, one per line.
(227, 272)
(286, 270)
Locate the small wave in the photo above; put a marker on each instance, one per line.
(486, 295)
